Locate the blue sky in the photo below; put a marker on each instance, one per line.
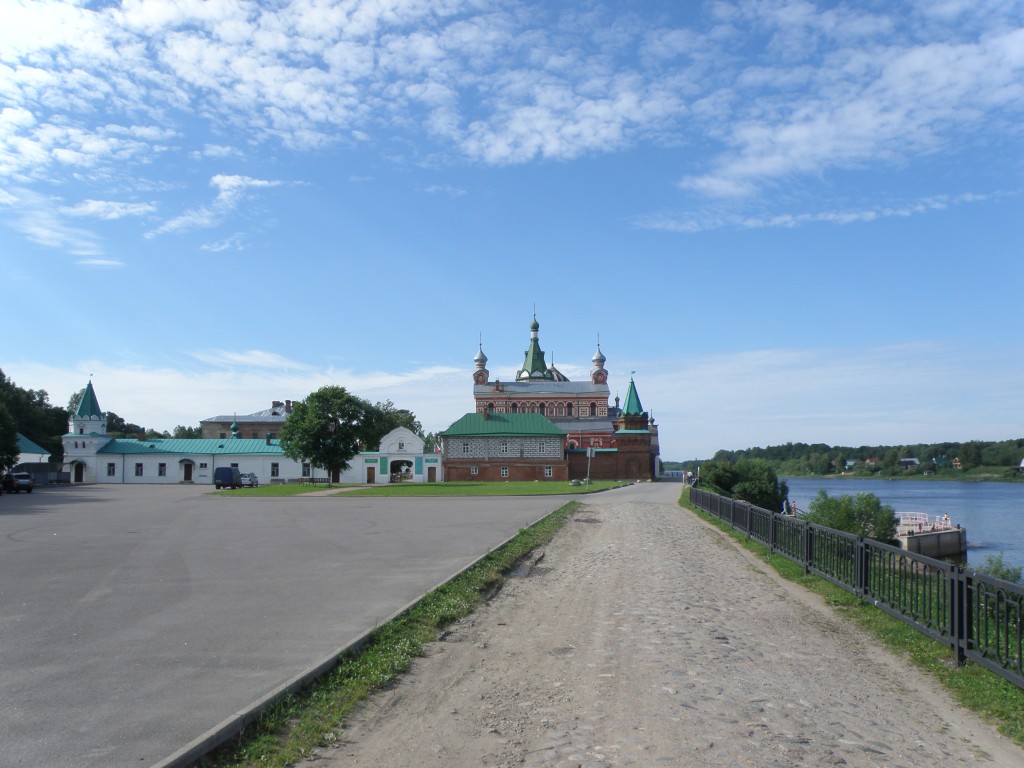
(794, 221)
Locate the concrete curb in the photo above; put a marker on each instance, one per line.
(231, 726)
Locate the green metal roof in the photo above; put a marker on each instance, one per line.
(502, 424)
(89, 405)
(632, 407)
(534, 366)
(195, 446)
(27, 446)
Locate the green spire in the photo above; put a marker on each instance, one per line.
(632, 405)
(88, 405)
(534, 366)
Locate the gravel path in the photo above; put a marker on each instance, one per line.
(644, 637)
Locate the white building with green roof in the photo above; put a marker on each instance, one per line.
(93, 456)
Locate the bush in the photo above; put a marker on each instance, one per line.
(994, 565)
(862, 514)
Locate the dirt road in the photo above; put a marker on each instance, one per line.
(644, 637)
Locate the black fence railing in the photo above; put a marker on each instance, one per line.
(978, 616)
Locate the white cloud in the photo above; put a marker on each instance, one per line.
(231, 191)
(99, 263)
(109, 210)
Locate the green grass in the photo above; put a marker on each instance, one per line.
(990, 696)
(290, 730)
(277, 489)
(517, 488)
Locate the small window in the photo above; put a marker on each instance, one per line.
(465, 448)
(202, 465)
(305, 469)
(504, 446)
(504, 471)
(138, 470)
(223, 435)
(81, 430)
(540, 447)
(548, 472)
(401, 445)
(161, 470)
(255, 434)
(271, 435)
(111, 469)
(275, 469)
(234, 464)
(474, 470)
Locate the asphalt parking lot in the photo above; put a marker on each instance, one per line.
(135, 618)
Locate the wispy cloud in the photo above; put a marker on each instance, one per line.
(231, 191)
(444, 189)
(719, 217)
(35, 216)
(109, 210)
(103, 263)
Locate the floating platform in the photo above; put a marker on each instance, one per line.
(932, 537)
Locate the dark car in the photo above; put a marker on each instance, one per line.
(227, 477)
(15, 482)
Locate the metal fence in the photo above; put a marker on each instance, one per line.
(979, 617)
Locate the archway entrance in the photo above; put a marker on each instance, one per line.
(186, 470)
(79, 472)
(400, 469)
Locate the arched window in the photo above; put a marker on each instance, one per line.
(568, 409)
(514, 408)
(490, 407)
(541, 409)
(593, 409)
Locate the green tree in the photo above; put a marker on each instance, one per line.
(34, 417)
(862, 514)
(994, 565)
(181, 432)
(970, 454)
(328, 428)
(392, 418)
(758, 484)
(8, 439)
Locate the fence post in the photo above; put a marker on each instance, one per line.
(771, 533)
(807, 545)
(962, 603)
(861, 571)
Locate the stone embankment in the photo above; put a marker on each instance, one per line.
(644, 637)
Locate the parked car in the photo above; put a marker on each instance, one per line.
(249, 479)
(227, 477)
(15, 482)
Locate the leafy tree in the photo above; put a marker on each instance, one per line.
(994, 565)
(752, 480)
(8, 439)
(118, 427)
(429, 441)
(718, 475)
(392, 418)
(328, 428)
(181, 432)
(34, 417)
(970, 454)
(862, 514)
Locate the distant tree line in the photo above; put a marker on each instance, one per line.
(801, 459)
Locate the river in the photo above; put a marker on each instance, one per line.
(992, 513)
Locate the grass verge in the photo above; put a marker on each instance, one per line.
(516, 488)
(988, 695)
(290, 730)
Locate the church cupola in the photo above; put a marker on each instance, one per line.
(534, 366)
(481, 374)
(599, 375)
(88, 419)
